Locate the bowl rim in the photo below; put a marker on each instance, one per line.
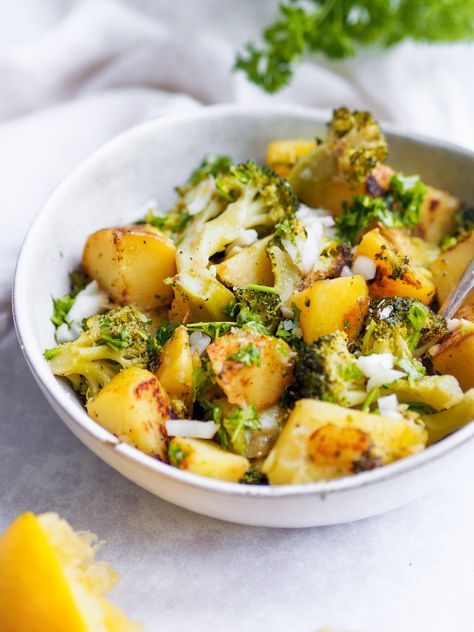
(66, 401)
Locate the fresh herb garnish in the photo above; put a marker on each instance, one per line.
(247, 355)
(338, 28)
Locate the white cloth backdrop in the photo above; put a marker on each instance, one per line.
(72, 75)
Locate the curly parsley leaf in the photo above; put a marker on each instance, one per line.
(337, 28)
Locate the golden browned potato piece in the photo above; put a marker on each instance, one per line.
(456, 357)
(250, 265)
(175, 372)
(134, 407)
(282, 155)
(207, 459)
(321, 441)
(131, 263)
(332, 304)
(448, 268)
(395, 276)
(437, 213)
(250, 368)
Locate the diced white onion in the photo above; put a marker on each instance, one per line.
(286, 311)
(452, 323)
(199, 341)
(305, 252)
(191, 428)
(371, 364)
(202, 196)
(384, 377)
(346, 271)
(385, 312)
(387, 404)
(365, 267)
(88, 302)
(68, 334)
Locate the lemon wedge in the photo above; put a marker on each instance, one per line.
(51, 582)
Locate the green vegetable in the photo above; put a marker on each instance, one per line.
(257, 307)
(254, 477)
(176, 454)
(400, 325)
(338, 28)
(61, 306)
(399, 206)
(327, 370)
(247, 355)
(212, 329)
(237, 423)
(109, 343)
(211, 165)
(255, 197)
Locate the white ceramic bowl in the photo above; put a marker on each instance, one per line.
(107, 190)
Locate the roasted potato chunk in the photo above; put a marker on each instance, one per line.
(282, 155)
(396, 275)
(322, 441)
(437, 214)
(207, 459)
(448, 268)
(134, 407)
(175, 372)
(131, 263)
(332, 304)
(250, 368)
(250, 265)
(456, 357)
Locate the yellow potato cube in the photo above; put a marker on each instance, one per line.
(207, 459)
(332, 304)
(175, 372)
(395, 276)
(131, 263)
(322, 441)
(250, 368)
(250, 265)
(282, 155)
(134, 407)
(448, 268)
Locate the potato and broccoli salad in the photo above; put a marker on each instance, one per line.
(280, 324)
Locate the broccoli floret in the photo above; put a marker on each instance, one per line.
(327, 370)
(357, 142)
(400, 205)
(256, 306)
(343, 160)
(254, 477)
(286, 258)
(242, 197)
(238, 423)
(109, 343)
(400, 325)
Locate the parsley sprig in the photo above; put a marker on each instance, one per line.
(338, 28)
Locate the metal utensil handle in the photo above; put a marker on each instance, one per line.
(459, 292)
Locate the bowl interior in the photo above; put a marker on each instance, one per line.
(112, 186)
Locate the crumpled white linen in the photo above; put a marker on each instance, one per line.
(74, 73)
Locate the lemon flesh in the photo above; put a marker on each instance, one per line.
(50, 581)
